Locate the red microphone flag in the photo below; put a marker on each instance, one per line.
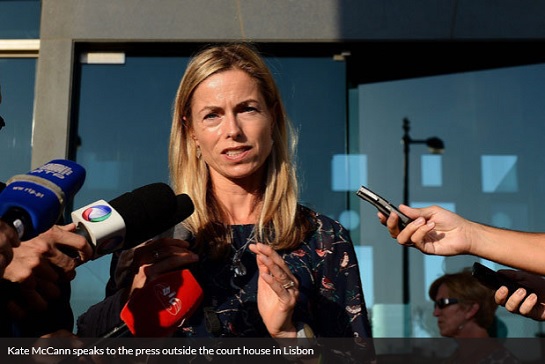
(162, 305)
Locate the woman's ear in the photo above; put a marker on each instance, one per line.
(472, 310)
(189, 129)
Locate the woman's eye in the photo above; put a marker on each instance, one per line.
(249, 109)
(211, 116)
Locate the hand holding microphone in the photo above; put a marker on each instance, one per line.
(159, 307)
(35, 285)
(163, 292)
(33, 202)
(156, 309)
(52, 256)
(150, 260)
(39, 268)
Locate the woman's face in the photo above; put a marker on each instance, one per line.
(451, 318)
(232, 126)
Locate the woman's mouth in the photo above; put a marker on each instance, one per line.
(236, 153)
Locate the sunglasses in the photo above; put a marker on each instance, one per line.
(444, 302)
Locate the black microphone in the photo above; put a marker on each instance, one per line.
(33, 202)
(131, 218)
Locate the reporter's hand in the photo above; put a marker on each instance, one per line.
(44, 252)
(434, 230)
(157, 257)
(8, 241)
(39, 265)
(532, 306)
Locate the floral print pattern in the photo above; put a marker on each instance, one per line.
(331, 297)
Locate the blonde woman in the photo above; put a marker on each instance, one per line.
(268, 266)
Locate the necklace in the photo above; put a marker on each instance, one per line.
(237, 267)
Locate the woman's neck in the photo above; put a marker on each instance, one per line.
(472, 330)
(241, 204)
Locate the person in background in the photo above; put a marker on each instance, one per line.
(269, 266)
(463, 306)
(465, 309)
(437, 231)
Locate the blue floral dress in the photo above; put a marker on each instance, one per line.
(331, 298)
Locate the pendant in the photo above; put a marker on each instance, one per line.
(238, 268)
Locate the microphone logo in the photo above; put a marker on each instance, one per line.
(57, 170)
(97, 213)
(168, 298)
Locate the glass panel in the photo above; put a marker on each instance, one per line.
(17, 78)
(314, 92)
(492, 125)
(124, 125)
(20, 19)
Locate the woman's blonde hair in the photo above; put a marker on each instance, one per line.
(279, 223)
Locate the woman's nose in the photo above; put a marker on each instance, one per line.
(232, 127)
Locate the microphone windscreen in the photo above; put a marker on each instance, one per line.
(184, 209)
(162, 305)
(147, 211)
(131, 218)
(35, 201)
(65, 175)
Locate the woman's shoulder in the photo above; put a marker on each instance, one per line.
(325, 226)
(320, 220)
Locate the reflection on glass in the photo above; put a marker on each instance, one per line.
(348, 172)
(432, 172)
(17, 78)
(491, 122)
(499, 173)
